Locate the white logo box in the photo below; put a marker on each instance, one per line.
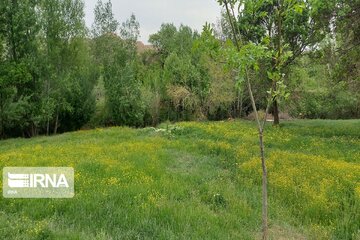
(38, 182)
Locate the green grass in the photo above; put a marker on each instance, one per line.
(197, 181)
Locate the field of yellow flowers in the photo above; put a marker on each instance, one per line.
(192, 181)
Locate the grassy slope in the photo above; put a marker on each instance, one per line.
(202, 181)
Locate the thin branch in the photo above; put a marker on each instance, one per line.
(232, 24)
(270, 101)
(238, 27)
(253, 101)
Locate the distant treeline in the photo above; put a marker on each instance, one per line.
(56, 75)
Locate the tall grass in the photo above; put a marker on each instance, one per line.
(195, 181)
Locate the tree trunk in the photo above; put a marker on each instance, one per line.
(241, 105)
(32, 134)
(56, 123)
(278, 61)
(275, 112)
(238, 104)
(2, 128)
(47, 126)
(264, 188)
(47, 96)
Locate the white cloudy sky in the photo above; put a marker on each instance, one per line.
(151, 13)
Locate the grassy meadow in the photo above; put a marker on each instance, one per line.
(193, 181)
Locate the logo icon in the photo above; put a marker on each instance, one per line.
(18, 180)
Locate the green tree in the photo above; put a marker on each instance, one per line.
(284, 25)
(117, 58)
(152, 92)
(19, 48)
(345, 56)
(105, 21)
(65, 70)
(325, 81)
(163, 40)
(185, 74)
(169, 39)
(247, 59)
(218, 79)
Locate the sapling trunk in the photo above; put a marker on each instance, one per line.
(260, 127)
(264, 189)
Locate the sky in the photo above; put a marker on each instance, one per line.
(152, 13)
